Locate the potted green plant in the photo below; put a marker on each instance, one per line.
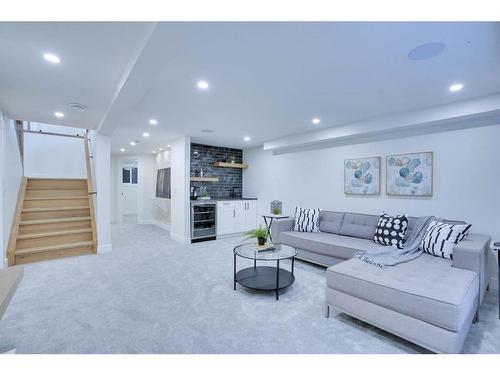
(276, 210)
(260, 233)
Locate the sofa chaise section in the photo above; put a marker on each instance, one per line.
(430, 301)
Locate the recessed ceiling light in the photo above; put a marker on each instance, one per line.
(59, 114)
(168, 145)
(154, 152)
(161, 149)
(122, 150)
(153, 121)
(132, 143)
(202, 85)
(456, 87)
(50, 57)
(246, 139)
(145, 134)
(316, 121)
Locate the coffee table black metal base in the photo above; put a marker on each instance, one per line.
(264, 278)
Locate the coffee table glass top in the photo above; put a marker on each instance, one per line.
(280, 252)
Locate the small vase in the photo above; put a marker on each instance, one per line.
(261, 241)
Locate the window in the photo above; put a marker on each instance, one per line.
(129, 175)
(163, 183)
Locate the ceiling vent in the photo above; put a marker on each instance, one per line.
(77, 107)
(426, 51)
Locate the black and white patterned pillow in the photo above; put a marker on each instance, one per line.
(440, 238)
(391, 230)
(306, 220)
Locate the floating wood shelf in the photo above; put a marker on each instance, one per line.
(204, 179)
(222, 164)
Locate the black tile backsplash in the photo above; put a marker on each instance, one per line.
(204, 157)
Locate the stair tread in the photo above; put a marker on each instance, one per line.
(42, 209)
(51, 198)
(51, 221)
(53, 233)
(31, 250)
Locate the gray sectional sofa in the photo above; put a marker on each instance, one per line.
(429, 301)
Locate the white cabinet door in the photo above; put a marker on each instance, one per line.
(226, 215)
(240, 217)
(250, 215)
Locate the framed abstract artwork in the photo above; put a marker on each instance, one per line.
(362, 176)
(409, 174)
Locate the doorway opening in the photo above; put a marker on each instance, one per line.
(128, 190)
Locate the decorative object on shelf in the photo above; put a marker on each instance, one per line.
(276, 207)
(260, 233)
(233, 160)
(409, 174)
(362, 176)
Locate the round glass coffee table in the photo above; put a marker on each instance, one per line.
(264, 277)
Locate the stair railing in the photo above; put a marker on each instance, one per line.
(90, 187)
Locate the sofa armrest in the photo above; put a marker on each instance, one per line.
(472, 254)
(280, 225)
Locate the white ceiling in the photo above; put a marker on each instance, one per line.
(93, 58)
(267, 80)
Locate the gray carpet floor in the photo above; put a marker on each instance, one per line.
(153, 295)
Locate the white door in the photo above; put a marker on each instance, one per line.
(225, 218)
(129, 190)
(129, 199)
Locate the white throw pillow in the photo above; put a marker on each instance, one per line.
(440, 238)
(306, 219)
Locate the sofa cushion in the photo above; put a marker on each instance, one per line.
(306, 219)
(391, 230)
(330, 221)
(333, 245)
(426, 288)
(359, 225)
(440, 238)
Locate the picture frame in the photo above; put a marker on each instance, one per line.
(362, 176)
(410, 174)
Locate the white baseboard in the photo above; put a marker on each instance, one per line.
(159, 224)
(230, 235)
(493, 283)
(106, 248)
(183, 240)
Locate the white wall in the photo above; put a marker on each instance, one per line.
(101, 169)
(466, 178)
(146, 189)
(180, 159)
(53, 156)
(11, 174)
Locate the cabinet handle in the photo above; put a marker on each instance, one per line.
(234, 213)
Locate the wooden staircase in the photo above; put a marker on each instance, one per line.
(54, 219)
